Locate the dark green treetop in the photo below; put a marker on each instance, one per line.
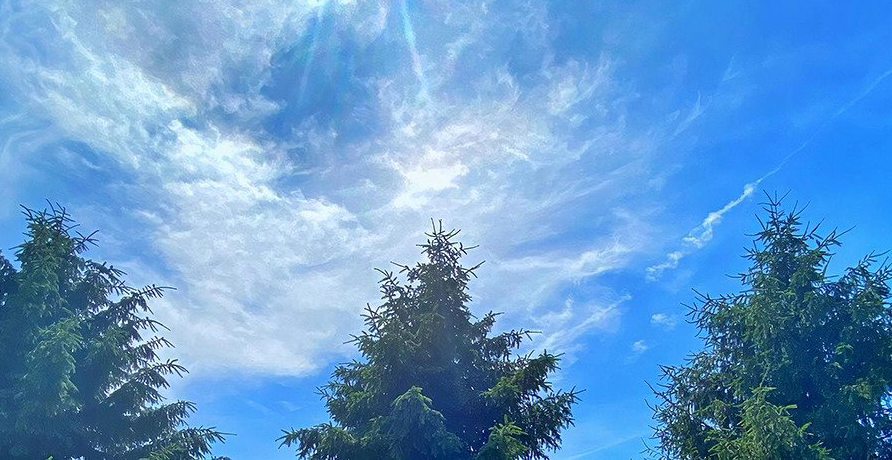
(435, 382)
(77, 377)
(797, 365)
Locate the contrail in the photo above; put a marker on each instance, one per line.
(843, 109)
(409, 33)
(701, 234)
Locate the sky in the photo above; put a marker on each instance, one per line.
(608, 157)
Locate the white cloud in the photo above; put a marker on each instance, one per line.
(273, 252)
(639, 347)
(565, 327)
(423, 180)
(608, 256)
(664, 321)
(575, 83)
(693, 115)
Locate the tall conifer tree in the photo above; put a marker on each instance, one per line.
(435, 382)
(797, 365)
(77, 377)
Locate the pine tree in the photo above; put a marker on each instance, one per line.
(797, 365)
(77, 378)
(435, 382)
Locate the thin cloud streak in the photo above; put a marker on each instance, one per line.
(703, 233)
(409, 34)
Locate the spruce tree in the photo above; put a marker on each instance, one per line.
(797, 365)
(434, 382)
(77, 377)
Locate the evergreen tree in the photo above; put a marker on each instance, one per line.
(797, 365)
(435, 382)
(77, 378)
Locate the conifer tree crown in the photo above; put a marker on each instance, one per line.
(797, 365)
(435, 382)
(78, 379)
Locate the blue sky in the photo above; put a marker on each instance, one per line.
(264, 156)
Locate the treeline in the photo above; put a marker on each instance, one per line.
(797, 365)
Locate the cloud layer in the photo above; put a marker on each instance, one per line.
(268, 155)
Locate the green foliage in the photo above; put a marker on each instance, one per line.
(435, 382)
(77, 379)
(503, 443)
(798, 365)
(765, 432)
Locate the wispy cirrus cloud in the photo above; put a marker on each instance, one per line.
(271, 234)
(566, 326)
